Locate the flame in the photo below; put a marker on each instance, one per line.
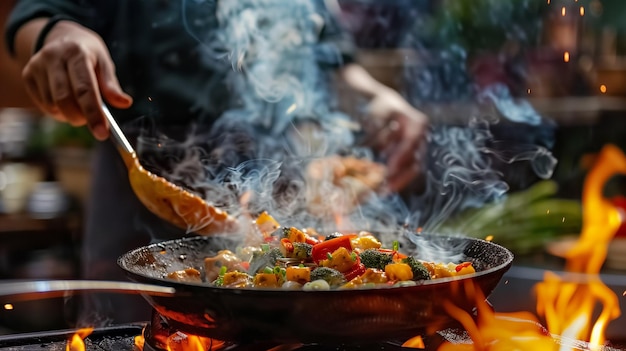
(568, 305)
(565, 302)
(140, 341)
(76, 342)
(186, 342)
(497, 331)
(415, 343)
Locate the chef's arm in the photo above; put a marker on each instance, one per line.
(397, 129)
(360, 81)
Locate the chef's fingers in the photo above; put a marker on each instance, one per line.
(110, 85)
(62, 96)
(405, 156)
(36, 80)
(381, 135)
(87, 94)
(402, 166)
(37, 88)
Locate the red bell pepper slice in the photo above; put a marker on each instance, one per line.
(356, 270)
(460, 266)
(286, 246)
(321, 250)
(310, 240)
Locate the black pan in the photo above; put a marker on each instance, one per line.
(305, 316)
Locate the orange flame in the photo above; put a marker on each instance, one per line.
(140, 341)
(76, 342)
(497, 331)
(185, 342)
(415, 343)
(567, 303)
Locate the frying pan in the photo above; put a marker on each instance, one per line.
(251, 315)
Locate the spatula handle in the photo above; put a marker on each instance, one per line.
(116, 133)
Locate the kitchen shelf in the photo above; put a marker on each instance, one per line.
(22, 229)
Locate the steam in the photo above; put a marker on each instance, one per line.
(490, 129)
(283, 115)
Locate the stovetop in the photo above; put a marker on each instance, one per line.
(122, 338)
(118, 338)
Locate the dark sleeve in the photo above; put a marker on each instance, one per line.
(337, 47)
(26, 10)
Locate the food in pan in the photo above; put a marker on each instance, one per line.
(293, 258)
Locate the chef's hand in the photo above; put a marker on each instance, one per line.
(68, 77)
(396, 129)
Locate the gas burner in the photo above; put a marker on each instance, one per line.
(383, 346)
(159, 330)
(114, 338)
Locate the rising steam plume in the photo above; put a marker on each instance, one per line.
(277, 74)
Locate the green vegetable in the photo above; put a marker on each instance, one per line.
(373, 258)
(302, 250)
(419, 270)
(276, 270)
(263, 259)
(220, 278)
(333, 277)
(524, 221)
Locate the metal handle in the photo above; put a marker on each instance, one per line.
(32, 290)
(116, 133)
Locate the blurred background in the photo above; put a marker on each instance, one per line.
(566, 60)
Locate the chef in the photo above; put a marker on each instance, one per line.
(169, 69)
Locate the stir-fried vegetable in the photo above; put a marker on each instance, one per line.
(291, 258)
(373, 258)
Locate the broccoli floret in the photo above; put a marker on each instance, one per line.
(420, 272)
(373, 258)
(262, 259)
(302, 250)
(333, 277)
